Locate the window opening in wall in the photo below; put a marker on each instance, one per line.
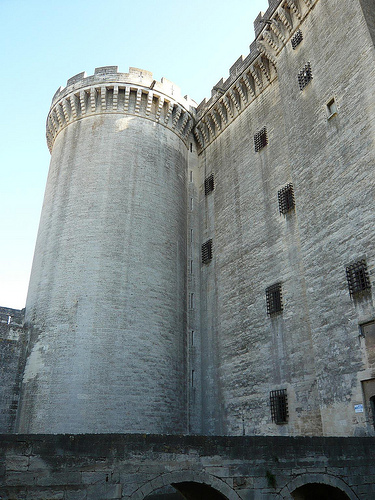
(191, 236)
(207, 252)
(191, 176)
(209, 184)
(191, 266)
(192, 378)
(192, 337)
(279, 406)
(358, 278)
(191, 301)
(191, 147)
(191, 203)
(296, 39)
(305, 76)
(331, 108)
(286, 199)
(372, 409)
(260, 139)
(274, 299)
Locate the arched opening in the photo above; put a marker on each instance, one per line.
(188, 490)
(314, 491)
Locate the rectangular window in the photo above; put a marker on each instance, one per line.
(358, 278)
(209, 184)
(274, 299)
(191, 176)
(191, 236)
(260, 139)
(191, 266)
(191, 301)
(305, 76)
(286, 199)
(331, 108)
(279, 406)
(191, 203)
(207, 252)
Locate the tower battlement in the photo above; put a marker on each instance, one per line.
(249, 76)
(134, 93)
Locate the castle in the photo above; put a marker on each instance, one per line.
(207, 270)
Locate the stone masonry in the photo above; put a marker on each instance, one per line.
(200, 316)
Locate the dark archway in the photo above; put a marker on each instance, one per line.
(187, 490)
(318, 491)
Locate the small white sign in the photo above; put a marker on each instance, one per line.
(358, 408)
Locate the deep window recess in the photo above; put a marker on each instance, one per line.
(358, 277)
(305, 76)
(296, 39)
(191, 301)
(331, 107)
(279, 406)
(209, 184)
(260, 139)
(207, 252)
(274, 299)
(286, 199)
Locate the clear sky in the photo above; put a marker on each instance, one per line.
(45, 42)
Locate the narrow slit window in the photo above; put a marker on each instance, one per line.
(305, 76)
(260, 139)
(274, 299)
(191, 301)
(191, 204)
(279, 406)
(358, 278)
(209, 184)
(286, 199)
(207, 252)
(191, 176)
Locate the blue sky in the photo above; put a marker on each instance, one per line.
(46, 42)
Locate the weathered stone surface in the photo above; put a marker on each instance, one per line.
(270, 466)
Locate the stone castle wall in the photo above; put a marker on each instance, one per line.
(134, 467)
(313, 349)
(13, 343)
(106, 306)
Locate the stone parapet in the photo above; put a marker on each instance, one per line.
(134, 93)
(250, 76)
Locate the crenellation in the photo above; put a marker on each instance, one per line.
(74, 79)
(231, 246)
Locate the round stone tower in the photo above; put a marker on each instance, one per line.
(106, 305)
